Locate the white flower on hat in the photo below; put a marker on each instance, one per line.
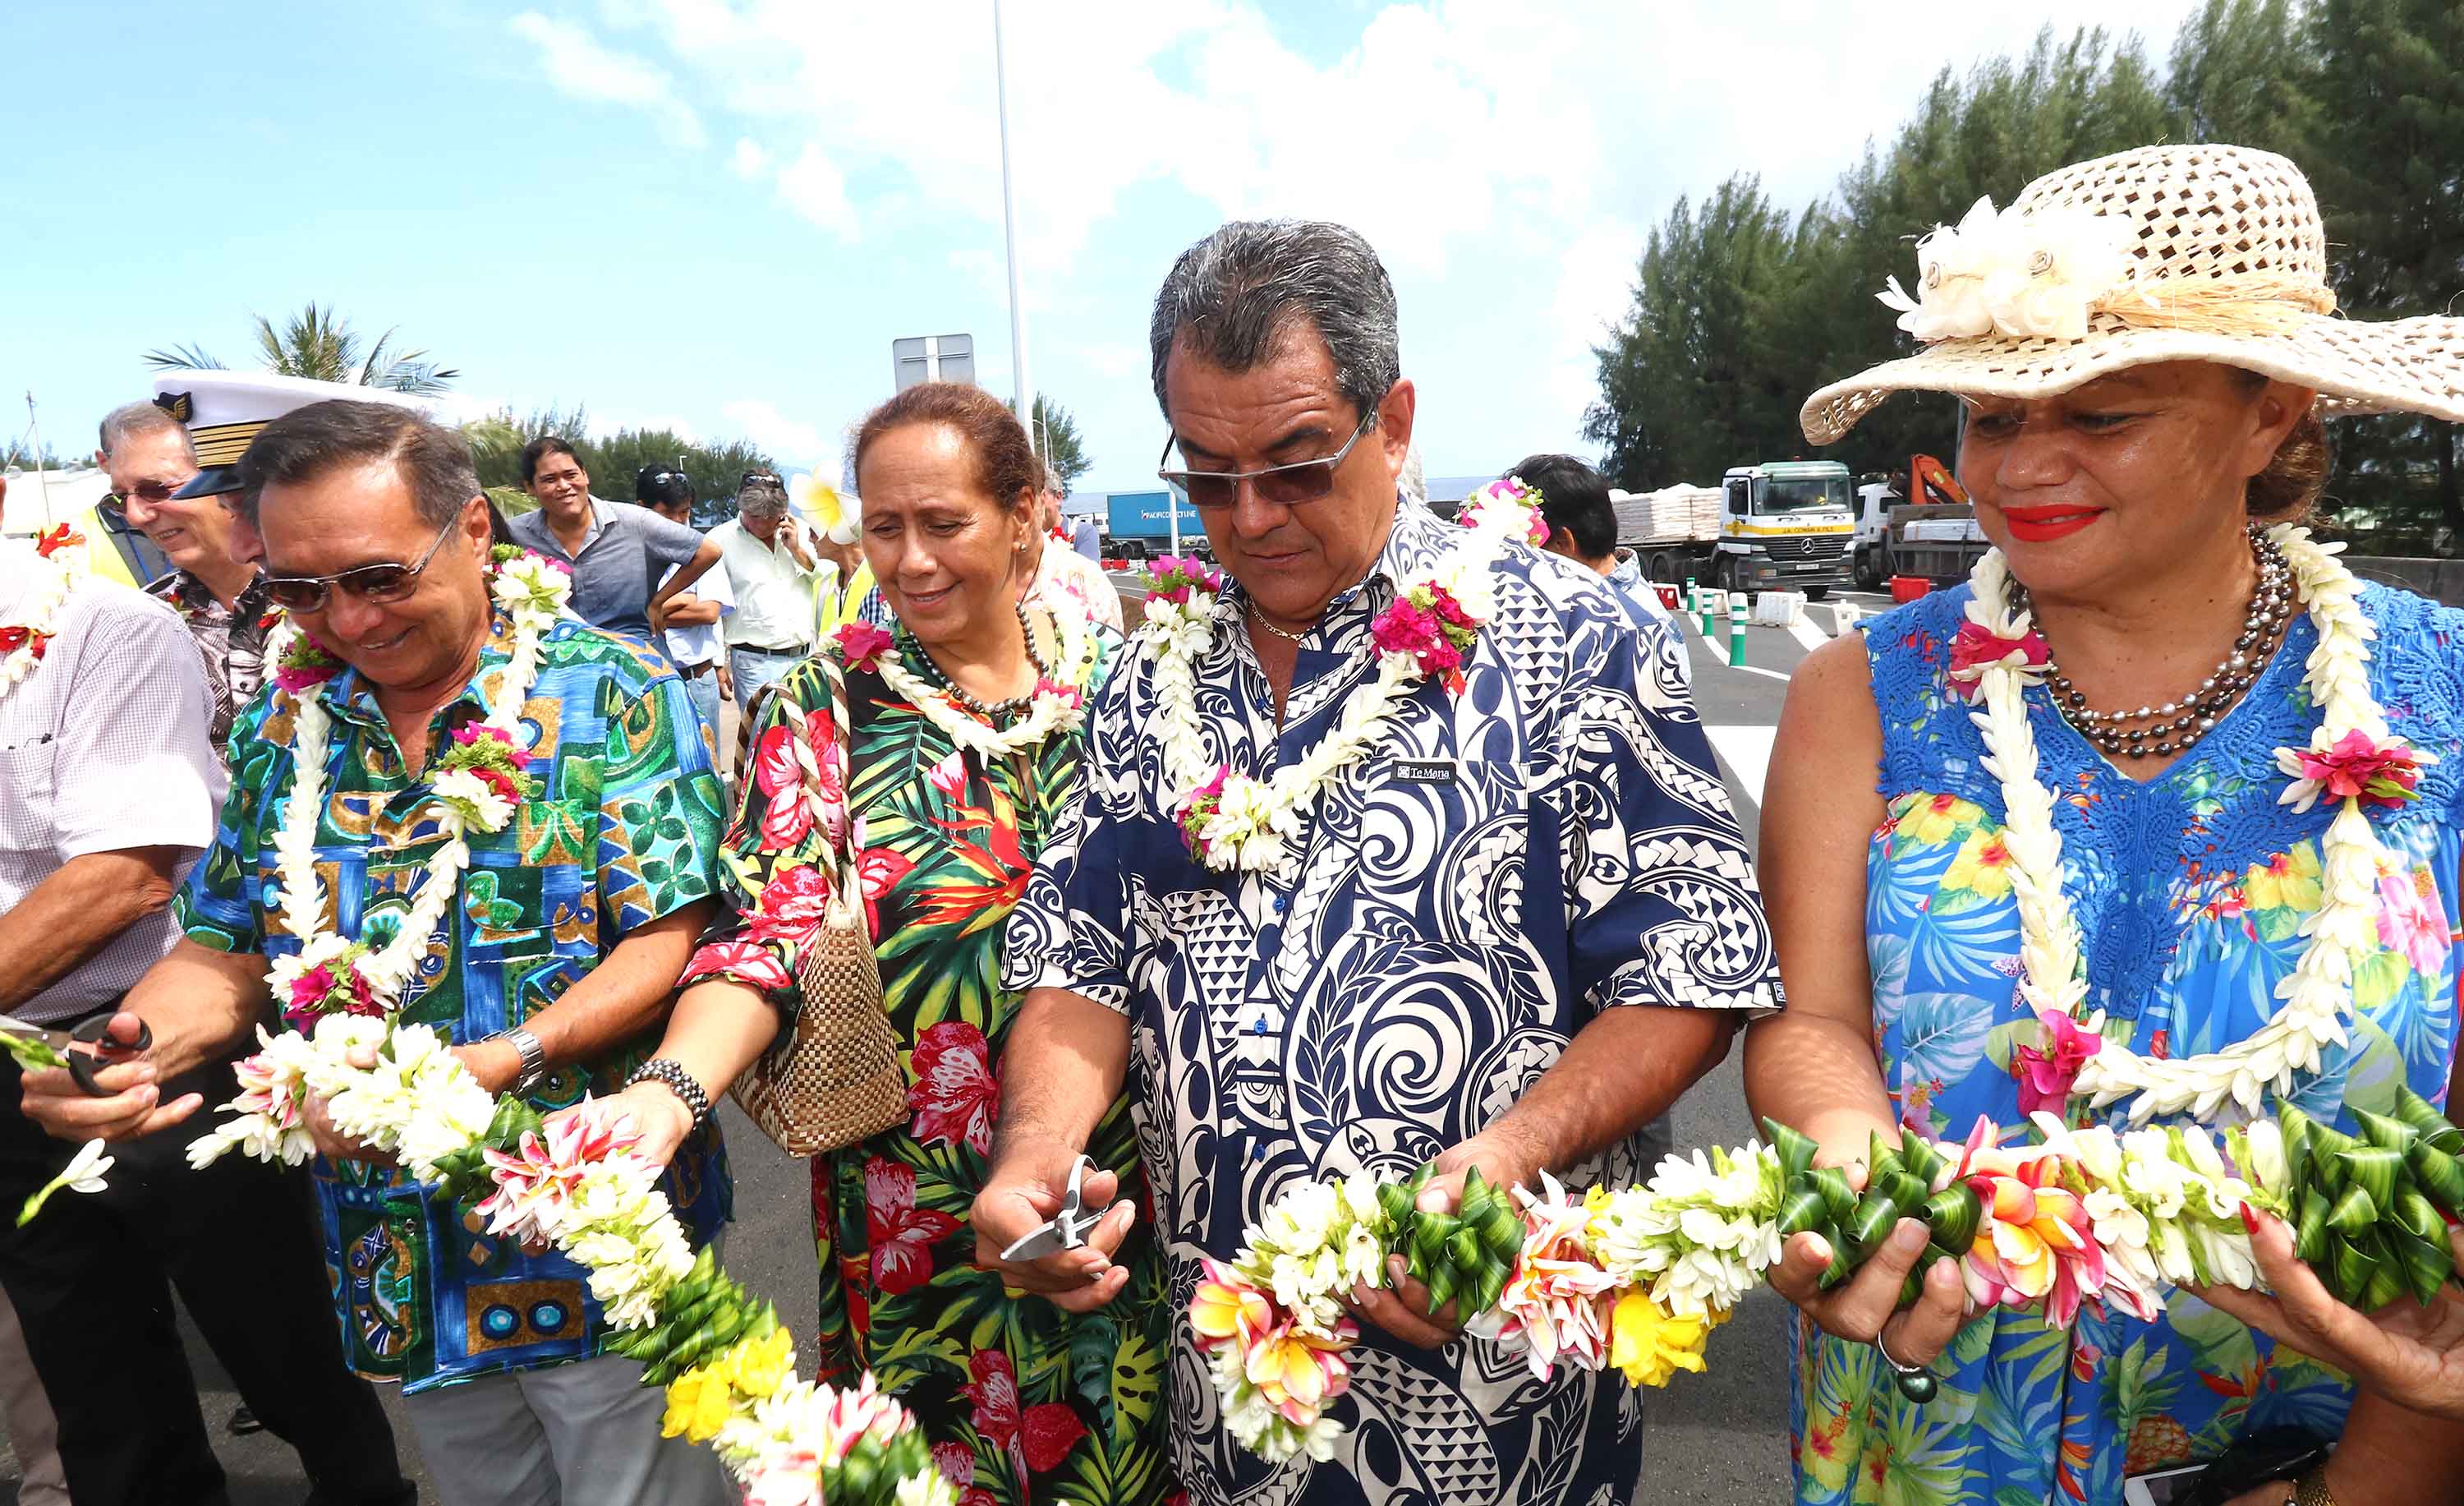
(2023, 274)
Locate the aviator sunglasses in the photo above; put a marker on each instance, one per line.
(381, 582)
(1284, 485)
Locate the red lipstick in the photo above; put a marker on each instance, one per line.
(2045, 524)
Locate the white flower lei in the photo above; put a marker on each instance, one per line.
(1055, 707)
(533, 594)
(68, 572)
(1255, 820)
(2318, 994)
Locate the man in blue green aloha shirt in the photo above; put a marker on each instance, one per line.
(553, 972)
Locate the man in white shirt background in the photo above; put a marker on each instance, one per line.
(694, 618)
(775, 574)
(1065, 577)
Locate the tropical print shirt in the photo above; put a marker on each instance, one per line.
(1507, 864)
(625, 830)
(2190, 891)
(1022, 1401)
(230, 640)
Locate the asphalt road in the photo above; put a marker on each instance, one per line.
(1720, 1437)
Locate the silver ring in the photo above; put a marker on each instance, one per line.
(1898, 1369)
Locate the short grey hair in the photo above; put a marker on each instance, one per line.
(309, 442)
(760, 496)
(1231, 297)
(1052, 481)
(135, 421)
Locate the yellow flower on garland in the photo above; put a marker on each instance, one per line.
(701, 1400)
(1982, 866)
(2287, 881)
(1650, 1345)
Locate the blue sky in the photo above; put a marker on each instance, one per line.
(716, 216)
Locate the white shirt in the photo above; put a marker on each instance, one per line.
(774, 594)
(700, 643)
(106, 745)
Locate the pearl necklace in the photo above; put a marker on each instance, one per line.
(990, 710)
(2196, 714)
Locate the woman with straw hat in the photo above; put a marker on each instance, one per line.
(2167, 829)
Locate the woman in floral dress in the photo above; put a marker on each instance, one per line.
(2126, 473)
(961, 755)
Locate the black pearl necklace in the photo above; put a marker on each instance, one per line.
(2162, 731)
(990, 710)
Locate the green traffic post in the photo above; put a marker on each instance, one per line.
(1705, 606)
(1736, 630)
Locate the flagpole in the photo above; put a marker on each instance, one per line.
(1009, 235)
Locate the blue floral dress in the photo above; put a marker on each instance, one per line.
(2190, 891)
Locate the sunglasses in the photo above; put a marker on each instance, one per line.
(760, 479)
(154, 491)
(1284, 485)
(381, 582)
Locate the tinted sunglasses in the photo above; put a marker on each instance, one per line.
(381, 582)
(150, 492)
(1284, 485)
(760, 479)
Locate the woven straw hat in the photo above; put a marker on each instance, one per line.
(2204, 253)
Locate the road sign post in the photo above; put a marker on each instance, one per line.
(933, 358)
(1737, 629)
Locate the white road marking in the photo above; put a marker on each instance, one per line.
(1746, 752)
(1756, 669)
(1804, 631)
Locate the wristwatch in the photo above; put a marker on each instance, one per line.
(2311, 1489)
(533, 1060)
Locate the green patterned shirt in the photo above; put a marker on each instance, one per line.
(624, 829)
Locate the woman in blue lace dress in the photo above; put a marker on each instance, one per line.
(2143, 365)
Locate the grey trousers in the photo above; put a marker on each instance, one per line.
(584, 1434)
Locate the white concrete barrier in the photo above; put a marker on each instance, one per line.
(1778, 609)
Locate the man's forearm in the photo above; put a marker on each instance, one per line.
(1062, 1067)
(1618, 1073)
(77, 912)
(626, 994)
(199, 1002)
(687, 610)
(692, 570)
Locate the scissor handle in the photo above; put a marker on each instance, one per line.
(97, 1032)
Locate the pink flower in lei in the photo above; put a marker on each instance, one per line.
(1198, 807)
(540, 1176)
(491, 744)
(2045, 1076)
(1175, 576)
(305, 664)
(1066, 694)
(2036, 1243)
(1432, 626)
(861, 645)
(1299, 1373)
(1557, 1302)
(1977, 648)
(2382, 774)
(321, 990)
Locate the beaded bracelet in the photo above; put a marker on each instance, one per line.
(680, 1083)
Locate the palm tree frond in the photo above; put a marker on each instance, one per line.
(182, 357)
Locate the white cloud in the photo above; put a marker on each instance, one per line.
(579, 67)
(750, 161)
(814, 188)
(790, 441)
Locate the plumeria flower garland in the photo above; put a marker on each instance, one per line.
(579, 1183)
(476, 783)
(1635, 1278)
(22, 642)
(2352, 759)
(1234, 821)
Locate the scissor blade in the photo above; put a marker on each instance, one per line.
(56, 1040)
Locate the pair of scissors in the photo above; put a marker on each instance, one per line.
(81, 1065)
(1066, 1229)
